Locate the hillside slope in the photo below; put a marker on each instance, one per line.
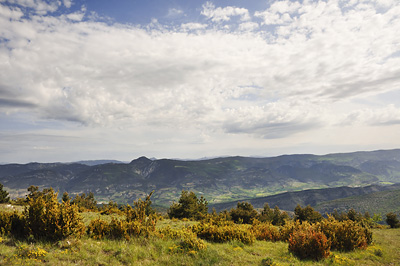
(379, 202)
(219, 180)
(313, 197)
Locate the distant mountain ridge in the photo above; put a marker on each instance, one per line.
(218, 179)
(97, 162)
(323, 199)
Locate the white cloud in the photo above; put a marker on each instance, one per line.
(224, 14)
(389, 115)
(193, 26)
(40, 7)
(11, 13)
(199, 80)
(248, 26)
(67, 3)
(78, 15)
(280, 12)
(173, 12)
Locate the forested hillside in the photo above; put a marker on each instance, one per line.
(219, 180)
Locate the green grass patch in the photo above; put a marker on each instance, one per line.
(385, 250)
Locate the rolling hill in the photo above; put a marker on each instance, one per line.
(379, 202)
(218, 180)
(319, 198)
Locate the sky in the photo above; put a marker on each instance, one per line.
(100, 79)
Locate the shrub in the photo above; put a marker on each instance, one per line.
(265, 231)
(274, 216)
(391, 219)
(346, 235)
(137, 223)
(98, 229)
(192, 243)
(288, 229)
(30, 253)
(223, 233)
(189, 206)
(307, 214)
(85, 202)
(48, 219)
(309, 243)
(188, 241)
(169, 233)
(4, 198)
(69, 221)
(244, 213)
(5, 222)
(267, 262)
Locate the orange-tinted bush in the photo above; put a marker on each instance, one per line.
(308, 243)
(266, 231)
(346, 235)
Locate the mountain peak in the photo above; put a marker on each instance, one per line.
(142, 159)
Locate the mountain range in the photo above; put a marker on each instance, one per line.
(219, 180)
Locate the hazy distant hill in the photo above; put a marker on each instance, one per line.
(328, 197)
(379, 202)
(219, 179)
(97, 162)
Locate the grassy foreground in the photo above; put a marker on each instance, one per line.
(155, 251)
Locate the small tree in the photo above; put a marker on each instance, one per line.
(244, 213)
(189, 206)
(392, 220)
(46, 218)
(4, 198)
(85, 202)
(274, 216)
(307, 214)
(66, 198)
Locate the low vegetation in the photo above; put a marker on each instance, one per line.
(69, 233)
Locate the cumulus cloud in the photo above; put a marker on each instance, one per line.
(240, 81)
(224, 14)
(193, 26)
(40, 7)
(280, 12)
(67, 3)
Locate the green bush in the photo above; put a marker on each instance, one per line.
(287, 229)
(308, 243)
(392, 220)
(4, 197)
(244, 213)
(137, 223)
(224, 233)
(5, 222)
(274, 216)
(85, 202)
(46, 218)
(98, 229)
(189, 206)
(306, 214)
(346, 235)
(192, 243)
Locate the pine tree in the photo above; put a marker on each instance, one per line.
(189, 206)
(4, 198)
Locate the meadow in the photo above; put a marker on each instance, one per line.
(76, 232)
(384, 250)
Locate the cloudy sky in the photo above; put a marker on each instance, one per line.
(100, 79)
